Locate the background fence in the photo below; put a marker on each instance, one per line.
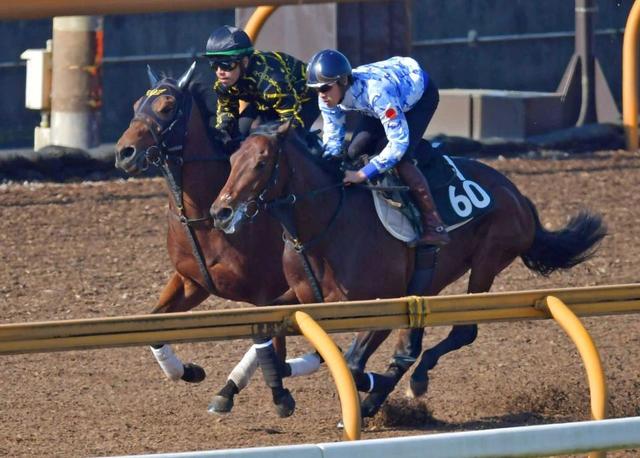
(522, 45)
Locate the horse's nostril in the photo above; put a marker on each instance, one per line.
(224, 214)
(127, 152)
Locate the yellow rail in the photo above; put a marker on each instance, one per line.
(630, 78)
(571, 324)
(349, 400)
(332, 317)
(33, 9)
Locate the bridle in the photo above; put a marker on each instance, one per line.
(166, 153)
(282, 208)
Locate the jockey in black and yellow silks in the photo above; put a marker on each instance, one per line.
(272, 83)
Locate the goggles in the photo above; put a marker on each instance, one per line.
(224, 65)
(324, 88)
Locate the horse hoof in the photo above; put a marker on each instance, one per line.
(220, 405)
(193, 373)
(417, 388)
(285, 404)
(369, 409)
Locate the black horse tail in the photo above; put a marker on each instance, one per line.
(564, 248)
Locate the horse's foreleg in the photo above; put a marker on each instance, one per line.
(242, 373)
(363, 347)
(179, 295)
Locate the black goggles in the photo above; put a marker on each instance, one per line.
(224, 65)
(324, 88)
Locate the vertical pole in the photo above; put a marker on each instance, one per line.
(585, 11)
(76, 91)
(630, 78)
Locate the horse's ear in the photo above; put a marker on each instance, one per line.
(184, 79)
(283, 130)
(153, 77)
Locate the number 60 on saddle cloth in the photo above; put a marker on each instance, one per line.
(459, 199)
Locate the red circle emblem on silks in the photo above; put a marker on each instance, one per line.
(390, 113)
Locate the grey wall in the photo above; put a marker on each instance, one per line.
(522, 65)
(530, 65)
(129, 35)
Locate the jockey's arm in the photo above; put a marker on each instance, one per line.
(333, 129)
(397, 131)
(228, 108)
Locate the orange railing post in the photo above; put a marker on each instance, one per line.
(630, 78)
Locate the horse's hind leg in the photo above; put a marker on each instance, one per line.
(179, 295)
(459, 336)
(487, 263)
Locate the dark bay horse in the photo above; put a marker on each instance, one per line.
(350, 256)
(167, 130)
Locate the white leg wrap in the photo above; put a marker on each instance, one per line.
(304, 365)
(169, 362)
(244, 370)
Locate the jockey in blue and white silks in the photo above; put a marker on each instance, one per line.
(383, 90)
(397, 99)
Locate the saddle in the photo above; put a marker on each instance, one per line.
(459, 199)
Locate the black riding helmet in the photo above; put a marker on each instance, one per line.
(228, 43)
(328, 67)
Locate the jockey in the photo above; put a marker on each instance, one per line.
(398, 100)
(272, 83)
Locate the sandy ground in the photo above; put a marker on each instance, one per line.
(96, 249)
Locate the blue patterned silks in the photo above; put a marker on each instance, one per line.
(384, 90)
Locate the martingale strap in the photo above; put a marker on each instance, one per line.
(176, 194)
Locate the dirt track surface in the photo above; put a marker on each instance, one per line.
(96, 249)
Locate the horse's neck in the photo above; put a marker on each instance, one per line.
(312, 213)
(202, 180)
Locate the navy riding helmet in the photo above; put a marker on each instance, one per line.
(228, 43)
(328, 67)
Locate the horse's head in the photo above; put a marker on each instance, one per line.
(159, 123)
(257, 175)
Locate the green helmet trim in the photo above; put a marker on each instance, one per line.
(231, 52)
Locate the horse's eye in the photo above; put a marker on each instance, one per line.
(260, 165)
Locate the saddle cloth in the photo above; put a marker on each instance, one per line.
(458, 199)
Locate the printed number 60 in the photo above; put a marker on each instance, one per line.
(474, 196)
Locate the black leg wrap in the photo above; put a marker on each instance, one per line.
(423, 271)
(285, 370)
(268, 361)
(363, 383)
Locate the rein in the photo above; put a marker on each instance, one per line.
(281, 208)
(166, 154)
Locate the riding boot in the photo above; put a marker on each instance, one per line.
(433, 230)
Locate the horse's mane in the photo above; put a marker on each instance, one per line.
(302, 141)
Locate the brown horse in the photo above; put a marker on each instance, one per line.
(167, 130)
(337, 250)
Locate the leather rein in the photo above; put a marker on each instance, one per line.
(167, 154)
(282, 208)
